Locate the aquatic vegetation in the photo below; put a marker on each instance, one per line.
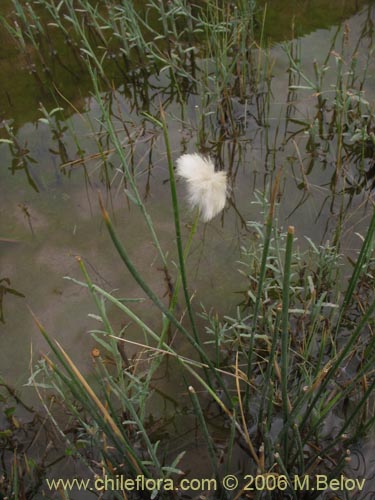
(303, 370)
(281, 387)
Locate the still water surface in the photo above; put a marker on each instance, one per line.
(49, 204)
(49, 213)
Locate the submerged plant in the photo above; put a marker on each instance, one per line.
(207, 188)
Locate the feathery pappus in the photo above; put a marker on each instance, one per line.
(207, 189)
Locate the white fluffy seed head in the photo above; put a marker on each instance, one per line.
(207, 189)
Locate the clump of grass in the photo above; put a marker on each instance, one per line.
(310, 365)
(294, 381)
(110, 425)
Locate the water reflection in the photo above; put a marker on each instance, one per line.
(250, 134)
(56, 166)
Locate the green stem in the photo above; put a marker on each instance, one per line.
(176, 216)
(285, 321)
(258, 300)
(159, 304)
(285, 333)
